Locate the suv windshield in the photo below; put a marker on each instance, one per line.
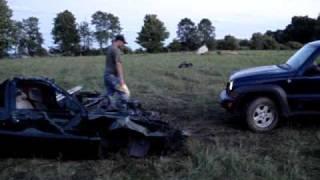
(300, 56)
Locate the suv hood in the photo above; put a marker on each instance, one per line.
(256, 71)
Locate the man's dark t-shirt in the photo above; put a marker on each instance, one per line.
(112, 57)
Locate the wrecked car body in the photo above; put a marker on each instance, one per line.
(37, 110)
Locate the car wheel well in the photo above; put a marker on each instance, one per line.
(252, 96)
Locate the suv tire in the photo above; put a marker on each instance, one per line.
(262, 115)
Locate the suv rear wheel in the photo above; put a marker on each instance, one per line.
(262, 115)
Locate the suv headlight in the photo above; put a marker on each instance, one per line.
(230, 88)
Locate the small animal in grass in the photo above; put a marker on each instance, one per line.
(185, 65)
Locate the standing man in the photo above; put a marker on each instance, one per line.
(114, 74)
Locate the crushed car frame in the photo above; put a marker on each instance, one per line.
(37, 111)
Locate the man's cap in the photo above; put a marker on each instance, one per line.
(120, 38)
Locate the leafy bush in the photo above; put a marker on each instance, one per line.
(263, 42)
(228, 43)
(284, 47)
(294, 45)
(175, 46)
(127, 50)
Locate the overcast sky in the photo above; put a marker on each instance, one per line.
(240, 18)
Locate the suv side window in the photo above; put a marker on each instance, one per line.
(314, 69)
(317, 61)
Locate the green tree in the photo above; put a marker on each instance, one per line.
(18, 38)
(244, 43)
(317, 29)
(127, 50)
(5, 27)
(280, 36)
(207, 33)
(301, 29)
(229, 43)
(107, 26)
(65, 33)
(263, 42)
(152, 34)
(188, 35)
(85, 36)
(33, 38)
(256, 41)
(294, 45)
(269, 43)
(175, 46)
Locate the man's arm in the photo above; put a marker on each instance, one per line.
(119, 67)
(120, 72)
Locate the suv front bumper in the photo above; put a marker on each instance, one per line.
(227, 101)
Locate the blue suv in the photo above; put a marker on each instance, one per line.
(265, 94)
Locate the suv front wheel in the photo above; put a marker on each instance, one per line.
(262, 115)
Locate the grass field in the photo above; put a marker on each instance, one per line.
(221, 147)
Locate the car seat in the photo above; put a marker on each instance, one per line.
(22, 101)
(36, 97)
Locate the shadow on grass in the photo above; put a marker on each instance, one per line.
(315, 153)
(50, 152)
(295, 123)
(301, 123)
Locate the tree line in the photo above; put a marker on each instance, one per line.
(72, 38)
(191, 36)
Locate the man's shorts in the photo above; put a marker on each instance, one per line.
(118, 97)
(111, 83)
